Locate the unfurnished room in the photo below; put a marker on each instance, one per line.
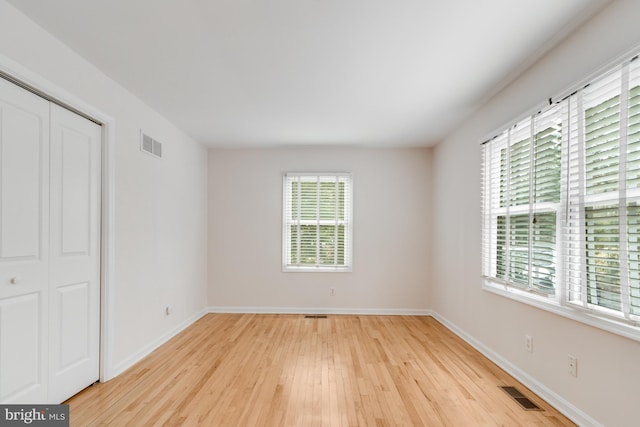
(319, 213)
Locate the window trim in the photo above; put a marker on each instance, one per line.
(560, 303)
(347, 222)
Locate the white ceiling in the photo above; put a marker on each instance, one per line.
(277, 72)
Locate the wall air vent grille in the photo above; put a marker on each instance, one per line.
(150, 145)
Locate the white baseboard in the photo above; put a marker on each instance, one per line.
(146, 350)
(323, 310)
(555, 400)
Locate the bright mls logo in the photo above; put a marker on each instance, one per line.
(34, 415)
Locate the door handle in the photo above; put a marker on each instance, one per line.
(15, 280)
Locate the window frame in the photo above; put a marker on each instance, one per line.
(531, 130)
(346, 222)
(561, 303)
(621, 199)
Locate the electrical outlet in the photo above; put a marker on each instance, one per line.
(332, 292)
(573, 366)
(528, 343)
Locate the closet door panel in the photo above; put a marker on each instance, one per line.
(20, 370)
(22, 182)
(75, 253)
(24, 245)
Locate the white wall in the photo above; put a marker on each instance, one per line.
(161, 215)
(391, 231)
(606, 389)
(160, 205)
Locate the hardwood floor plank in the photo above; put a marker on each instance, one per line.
(287, 370)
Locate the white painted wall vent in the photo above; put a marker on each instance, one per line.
(150, 145)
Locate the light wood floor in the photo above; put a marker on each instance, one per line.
(286, 370)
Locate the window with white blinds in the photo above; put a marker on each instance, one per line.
(317, 224)
(522, 169)
(561, 204)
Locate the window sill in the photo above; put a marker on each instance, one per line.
(315, 269)
(582, 315)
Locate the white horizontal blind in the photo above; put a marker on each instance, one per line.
(561, 200)
(317, 225)
(521, 196)
(603, 218)
(633, 187)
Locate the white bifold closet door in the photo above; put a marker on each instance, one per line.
(49, 249)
